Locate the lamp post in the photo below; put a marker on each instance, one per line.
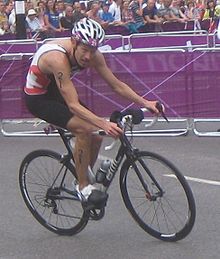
(20, 19)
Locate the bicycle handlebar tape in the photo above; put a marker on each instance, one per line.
(137, 115)
(116, 116)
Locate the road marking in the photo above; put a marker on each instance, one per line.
(198, 180)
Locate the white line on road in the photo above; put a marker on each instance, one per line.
(198, 180)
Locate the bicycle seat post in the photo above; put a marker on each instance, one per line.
(66, 139)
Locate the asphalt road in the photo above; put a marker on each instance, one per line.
(116, 235)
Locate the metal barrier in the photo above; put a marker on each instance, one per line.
(201, 132)
(36, 127)
(186, 40)
(177, 127)
(199, 122)
(18, 46)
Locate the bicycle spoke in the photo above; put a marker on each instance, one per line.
(56, 208)
(163, 206)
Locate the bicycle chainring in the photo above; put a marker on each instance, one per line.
(96, 214)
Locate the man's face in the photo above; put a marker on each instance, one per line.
(10, 6)
(32, 17)
(95, 7)
(106, 8)
(167, 3)
(77, 7)
(2, 7)
(84, 54)
(151, 4)
(69, 11)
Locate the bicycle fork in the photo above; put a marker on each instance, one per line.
(150, 196)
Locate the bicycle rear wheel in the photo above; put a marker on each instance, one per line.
(158, 196)
(46, 184)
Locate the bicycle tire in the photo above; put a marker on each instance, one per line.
(62, 214)
(170, 217)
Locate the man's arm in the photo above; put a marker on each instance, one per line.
(139, 11)
(118, 86)
(61, 71)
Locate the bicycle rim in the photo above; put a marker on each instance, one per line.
(47, 189)
(168, 217)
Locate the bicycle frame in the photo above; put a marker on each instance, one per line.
(153, 190)
(125, 149)
(66, 136)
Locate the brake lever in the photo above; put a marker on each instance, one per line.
(160, 108)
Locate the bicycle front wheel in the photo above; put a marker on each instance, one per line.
(158, 196)
(46, 184)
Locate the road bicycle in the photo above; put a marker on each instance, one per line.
(154, 191)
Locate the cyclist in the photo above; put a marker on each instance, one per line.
(51, 95)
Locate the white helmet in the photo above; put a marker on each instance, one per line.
(88, 32)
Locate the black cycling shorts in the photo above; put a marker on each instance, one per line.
(49, 107)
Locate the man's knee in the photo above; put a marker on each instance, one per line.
(80, 127)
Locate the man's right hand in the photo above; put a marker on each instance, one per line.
(111, 129)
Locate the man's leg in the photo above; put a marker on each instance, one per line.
(87, 145)
(94, 149)
(82, 157)
(86, 148)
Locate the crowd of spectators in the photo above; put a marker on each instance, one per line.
(44, 18)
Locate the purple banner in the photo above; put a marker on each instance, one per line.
(187, 83)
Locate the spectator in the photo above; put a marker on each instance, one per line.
(182, 5)
(165, 12)
(12, 21)
(210, 10)
(4, 24)
(3, 16)
(127, 18)
(159, 4)
(193, 14)
(67, 21)
(78, 14)
(115, 10)
(33, 24)
(60, 8)
(52, 20)
(153, 22)
(29, 5)
(9, 6)
(175, 8)
(212, 15)
(191, 11)
(137, 11)
(201, 6)
(40, 13)
(217, 12)
(105, 15)
(93, 13)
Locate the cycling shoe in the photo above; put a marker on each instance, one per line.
(91, 197)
